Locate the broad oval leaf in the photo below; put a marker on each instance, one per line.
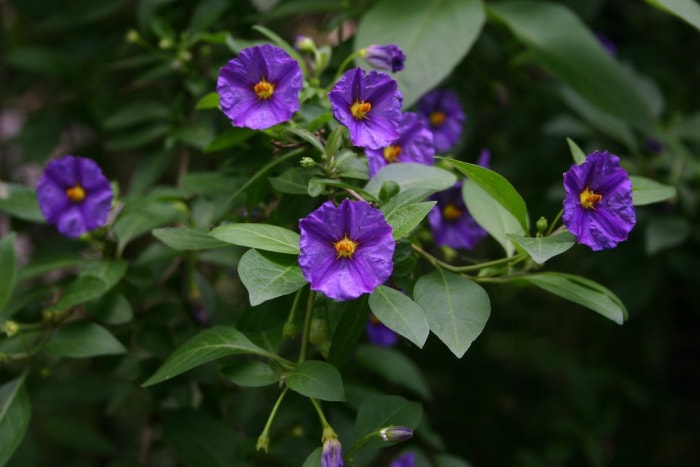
(561, 44)
(457, 308)
(96, 279)
(20, 201)
(260, 236)
(185, 238)
(582, 291)
(381, 411)
(15, 413)
(648, 191)
(435, 35)
(251, 374)
(406, 218)
(208, 345)
(8, 268)
(83, 339)
(412, 177)
(497, 187)
(400, 314)
(394, 366)
(541, 249)
(269, 275)
(112, 308)
(317, 379)
(349, 330)
(138, 219)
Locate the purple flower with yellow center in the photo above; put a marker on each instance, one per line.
(406, 460)
(379, 334)
(74, 195)
(369, 105)
(442, 113)
(384, 57)
(450, 221)
(260, 88)
(346, 250)
(414, 144)
(598, 207)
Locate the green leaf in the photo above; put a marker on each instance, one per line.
(578, 155)
(350, 328)
(309, 137)
(399, 313)
(491, 215)
(211, 344)
(20, 201)
(562, 45)
(412, 177)
(435, 35)
(457, 308)
(497, 187)
(395, 367)
(334, 141)
(541, 249)
(381, 411)
(294, 181)
(136, 221)
(261, 236)
(8, 268)
(582, 291)
(406, 218)
(112, 308)
(251, 374)
(15, 413)
(269, 275)
(96, 278)
(317, 379)
(83, 339)
(229, 138)
(687, 10)
(137, 112)
(186, 238)
(648, 191)
(209, 101)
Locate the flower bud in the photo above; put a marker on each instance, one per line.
(10, 328)
(542, 225)
(304, 44)
(396, 433)
(132, 36)
(384, 57)
(307, 162)
(332, 455)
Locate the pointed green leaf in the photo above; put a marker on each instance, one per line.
(269, 275)
(139, 219)
(576, 153)
(251, 374)
(400, 314)
(381, 411)
(435, 35)
(687, 10)
(562, 44)
(96, 278)
(395, 367)
(185, 238)
(412, 177)
(309, 137)
(209, 101)
(20, 201)
(582, 291)
(648, 191)
(317, 379)
(15, 412)
(457, 308)
(211, 344)
(260, 236)
(406, 218)
(112, 308)
(541, 249)
(498, 188)
(351, 326)
(83, 339)
(8, 268)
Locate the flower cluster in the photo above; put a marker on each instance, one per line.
(74, 195)
(598, 207)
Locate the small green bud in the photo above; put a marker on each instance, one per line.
(542, 225)
(396, 433)
(132, 36)
(304, 44)
(166, 43)
(289, 329)
(307, 162)
(10, 328)
(263, 443)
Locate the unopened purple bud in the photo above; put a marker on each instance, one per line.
(396, 433)
(385, 57)
(304, 44)
(332, 455)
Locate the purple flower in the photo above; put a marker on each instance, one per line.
(369, 105)
(74, 195)
(450, 221)
(332, 455)
(598, 206)
(385, 57)
(442, 113)
(378, 334)
(347, 250)
(414, 144)
(406, 460)
(260, 88)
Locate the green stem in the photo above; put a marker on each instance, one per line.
(264, 438)
(289, 327)
(358, 444)
(554, 223)
(472, 268)
(307, 326)
(324, 423)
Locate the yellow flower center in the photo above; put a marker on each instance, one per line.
(345, 247)
(589, 199)
(391, 153)
(359, 110)
(451, 212)
(76, 194)
(263, 89)
(437, 118)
